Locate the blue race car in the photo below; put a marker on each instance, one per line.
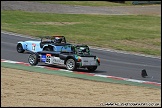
(47, 43)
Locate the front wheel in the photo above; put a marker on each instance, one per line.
(70, 64)
(92, 68)
(20, 48)
(33, 59)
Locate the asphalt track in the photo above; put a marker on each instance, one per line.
(113, 63)
(74, 9)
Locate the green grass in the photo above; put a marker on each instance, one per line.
(96, 3)
(88, 3)
(137, 33)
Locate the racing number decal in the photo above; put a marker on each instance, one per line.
(33, 46)
(48, 58)
(48, 55)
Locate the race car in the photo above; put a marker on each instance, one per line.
(47, 43)
(71, 56)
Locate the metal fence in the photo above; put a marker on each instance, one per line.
(145, 2)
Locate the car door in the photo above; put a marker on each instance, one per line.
(33, 46)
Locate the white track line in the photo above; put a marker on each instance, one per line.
(105, 76)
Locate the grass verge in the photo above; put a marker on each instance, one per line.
(89, 3)
(136, 33)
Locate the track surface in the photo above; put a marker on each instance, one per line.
(67, 9)
(112, 63)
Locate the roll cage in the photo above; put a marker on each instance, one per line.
(52, 39)
(78, 49)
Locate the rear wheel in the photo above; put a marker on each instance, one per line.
(92, 68)
(20, 48)
(70, 64)
(33, 59)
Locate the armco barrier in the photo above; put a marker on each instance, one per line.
(145, 2)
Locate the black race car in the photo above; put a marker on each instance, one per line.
(71, 56)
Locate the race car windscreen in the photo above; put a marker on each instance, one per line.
(83, 50)
(63, 48)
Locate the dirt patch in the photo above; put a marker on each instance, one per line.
(23, 88)
(54, 23)
(153, 44)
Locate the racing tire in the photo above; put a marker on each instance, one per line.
(47, 49)
(20, 48)
(33, 59)
(92, 68)
(70, 64)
